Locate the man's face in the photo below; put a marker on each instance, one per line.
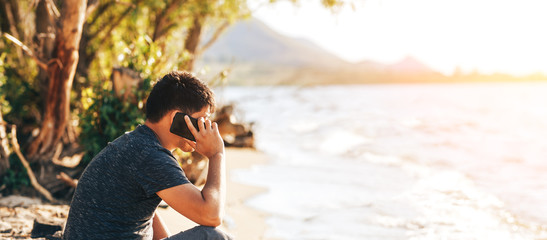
(183, 143)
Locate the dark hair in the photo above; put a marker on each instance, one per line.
(178, 90)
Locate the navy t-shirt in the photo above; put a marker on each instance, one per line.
(116, 195)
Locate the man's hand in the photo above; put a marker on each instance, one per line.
(208, 139)
(205, 207)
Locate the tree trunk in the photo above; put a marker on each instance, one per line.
(61, 70)
(192, 41)
(45, 40)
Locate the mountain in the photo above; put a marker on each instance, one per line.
(370, 66)
(254, 54)
(409, 65)
(251, 41)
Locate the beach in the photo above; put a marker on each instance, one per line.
(241, 221)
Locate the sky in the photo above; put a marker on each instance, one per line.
(507, 36)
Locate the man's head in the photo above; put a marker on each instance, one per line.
(180, 91)
(177, 92)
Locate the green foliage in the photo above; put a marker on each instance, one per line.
(18, 100)
(105, 116)
(19, 96)
(16, 176)
(109, 117)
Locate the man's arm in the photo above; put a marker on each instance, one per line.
(204, 207)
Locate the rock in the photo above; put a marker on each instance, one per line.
(21, 220)
(44, 228)
(5, 227)
(57, 236)
(163, 205)
(234, 133)
(195, 168)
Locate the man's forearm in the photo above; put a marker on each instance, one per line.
(214, 191)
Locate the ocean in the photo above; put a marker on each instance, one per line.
(417, 161)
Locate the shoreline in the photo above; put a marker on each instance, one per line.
(241, 221)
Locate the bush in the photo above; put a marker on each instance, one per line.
(16, 176)
(104, 116)
(108, 117)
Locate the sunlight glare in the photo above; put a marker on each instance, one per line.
(487, 35)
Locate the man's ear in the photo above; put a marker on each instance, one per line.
(171, 114)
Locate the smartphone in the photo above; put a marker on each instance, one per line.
(180, 128)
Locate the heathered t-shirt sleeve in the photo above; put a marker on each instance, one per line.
(161, 171)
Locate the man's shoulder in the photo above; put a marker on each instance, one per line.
(143, 138)
(139, 140)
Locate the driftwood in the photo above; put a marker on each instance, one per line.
(30, 173)
(233, 133)
(68, 161)
(67, 179)
(195, 168)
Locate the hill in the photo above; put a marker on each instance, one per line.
(253, 41)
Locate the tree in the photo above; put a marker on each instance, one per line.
(48, 68)
(60, 71)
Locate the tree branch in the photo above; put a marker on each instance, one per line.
(162, 19)
(214, 38)
(114, 24)
(91, 6)
(26, 50)
(100, 11)
(11, 19)
(192, 41)
(53, 9)
(30, 173)
(164, 30)
(11, 14)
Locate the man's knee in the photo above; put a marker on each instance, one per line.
(202, 233)
(213, 233)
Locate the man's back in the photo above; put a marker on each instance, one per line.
(116, 195)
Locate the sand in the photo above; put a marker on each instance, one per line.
(241, 221)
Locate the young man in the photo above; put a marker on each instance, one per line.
(118, 193)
